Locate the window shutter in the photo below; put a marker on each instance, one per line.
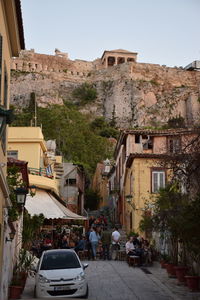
(155, 182)
(161, 180)
(1, 54)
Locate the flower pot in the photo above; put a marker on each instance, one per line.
(180, 273)
(171, 270)
(163, 264)
(192, 283)
(15, 292)
(23, 276)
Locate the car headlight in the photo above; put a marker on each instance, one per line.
(80, 277)
(43, 279)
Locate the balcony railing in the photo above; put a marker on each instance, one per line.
(40, 172)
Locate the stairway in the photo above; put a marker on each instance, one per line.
(58, 169)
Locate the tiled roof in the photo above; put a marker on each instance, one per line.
(153, 156)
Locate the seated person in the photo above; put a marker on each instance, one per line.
(147, 252)
(81, 244)
(130, 248)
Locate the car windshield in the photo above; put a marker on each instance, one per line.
(52, 261)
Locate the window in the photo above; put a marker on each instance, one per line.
(175, 145)
(13, 154)
(137, 139)
(59, 260)
(70, 181)
(131, 183)
(158, 180)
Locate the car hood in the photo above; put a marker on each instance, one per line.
(61, 273)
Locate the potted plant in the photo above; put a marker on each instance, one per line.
(192, 242)
(16, 288)
(192, 279)
(181, 269)
(164, 260)
(20, 273)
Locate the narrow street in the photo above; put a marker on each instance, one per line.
(116, 280)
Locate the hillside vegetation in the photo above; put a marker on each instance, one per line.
(79, 139)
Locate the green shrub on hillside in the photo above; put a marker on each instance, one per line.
(85, 94)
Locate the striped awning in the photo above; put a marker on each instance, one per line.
(44, 203)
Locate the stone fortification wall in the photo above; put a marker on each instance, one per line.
(136, 94)
(162, 74)
(29, 61)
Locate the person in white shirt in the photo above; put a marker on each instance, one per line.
(130, 248)
(115, 243)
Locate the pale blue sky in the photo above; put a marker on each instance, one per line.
(161, 31)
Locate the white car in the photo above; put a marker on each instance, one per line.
(60, 273)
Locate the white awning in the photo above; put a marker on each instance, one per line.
(44, 203)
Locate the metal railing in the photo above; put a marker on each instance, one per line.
(40, 172)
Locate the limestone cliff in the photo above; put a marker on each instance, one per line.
(136, 94)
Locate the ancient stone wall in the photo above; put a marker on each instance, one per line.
(136, 94)
(29, 61)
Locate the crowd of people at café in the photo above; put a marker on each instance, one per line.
(98, 241)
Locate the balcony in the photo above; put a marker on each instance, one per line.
(43, 179)
(45, 172)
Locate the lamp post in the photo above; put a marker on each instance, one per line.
(21, 195)
(11, 235)
(32, 189)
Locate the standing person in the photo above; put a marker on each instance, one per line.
(88, 244)
(94, 239)
(115, 243)
(91, 221)
(106, 240)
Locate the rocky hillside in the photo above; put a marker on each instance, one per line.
(134, 94)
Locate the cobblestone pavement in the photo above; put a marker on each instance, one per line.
(116, 280)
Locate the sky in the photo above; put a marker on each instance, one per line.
(165, 32)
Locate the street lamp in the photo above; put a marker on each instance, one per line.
(32, 189)
(129, 201)
(21, 195)
(11, 235)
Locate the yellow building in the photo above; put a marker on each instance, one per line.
(27, 143)
(11, 42)
(144, 177)
(139, 173)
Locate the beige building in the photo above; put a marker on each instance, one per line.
(117, 57)
(11, 42)
(100, 182)
(27, 143)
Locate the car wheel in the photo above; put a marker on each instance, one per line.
(86, 294)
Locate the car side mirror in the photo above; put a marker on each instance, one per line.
(85, 266)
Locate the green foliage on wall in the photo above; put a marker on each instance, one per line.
(14, 180)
